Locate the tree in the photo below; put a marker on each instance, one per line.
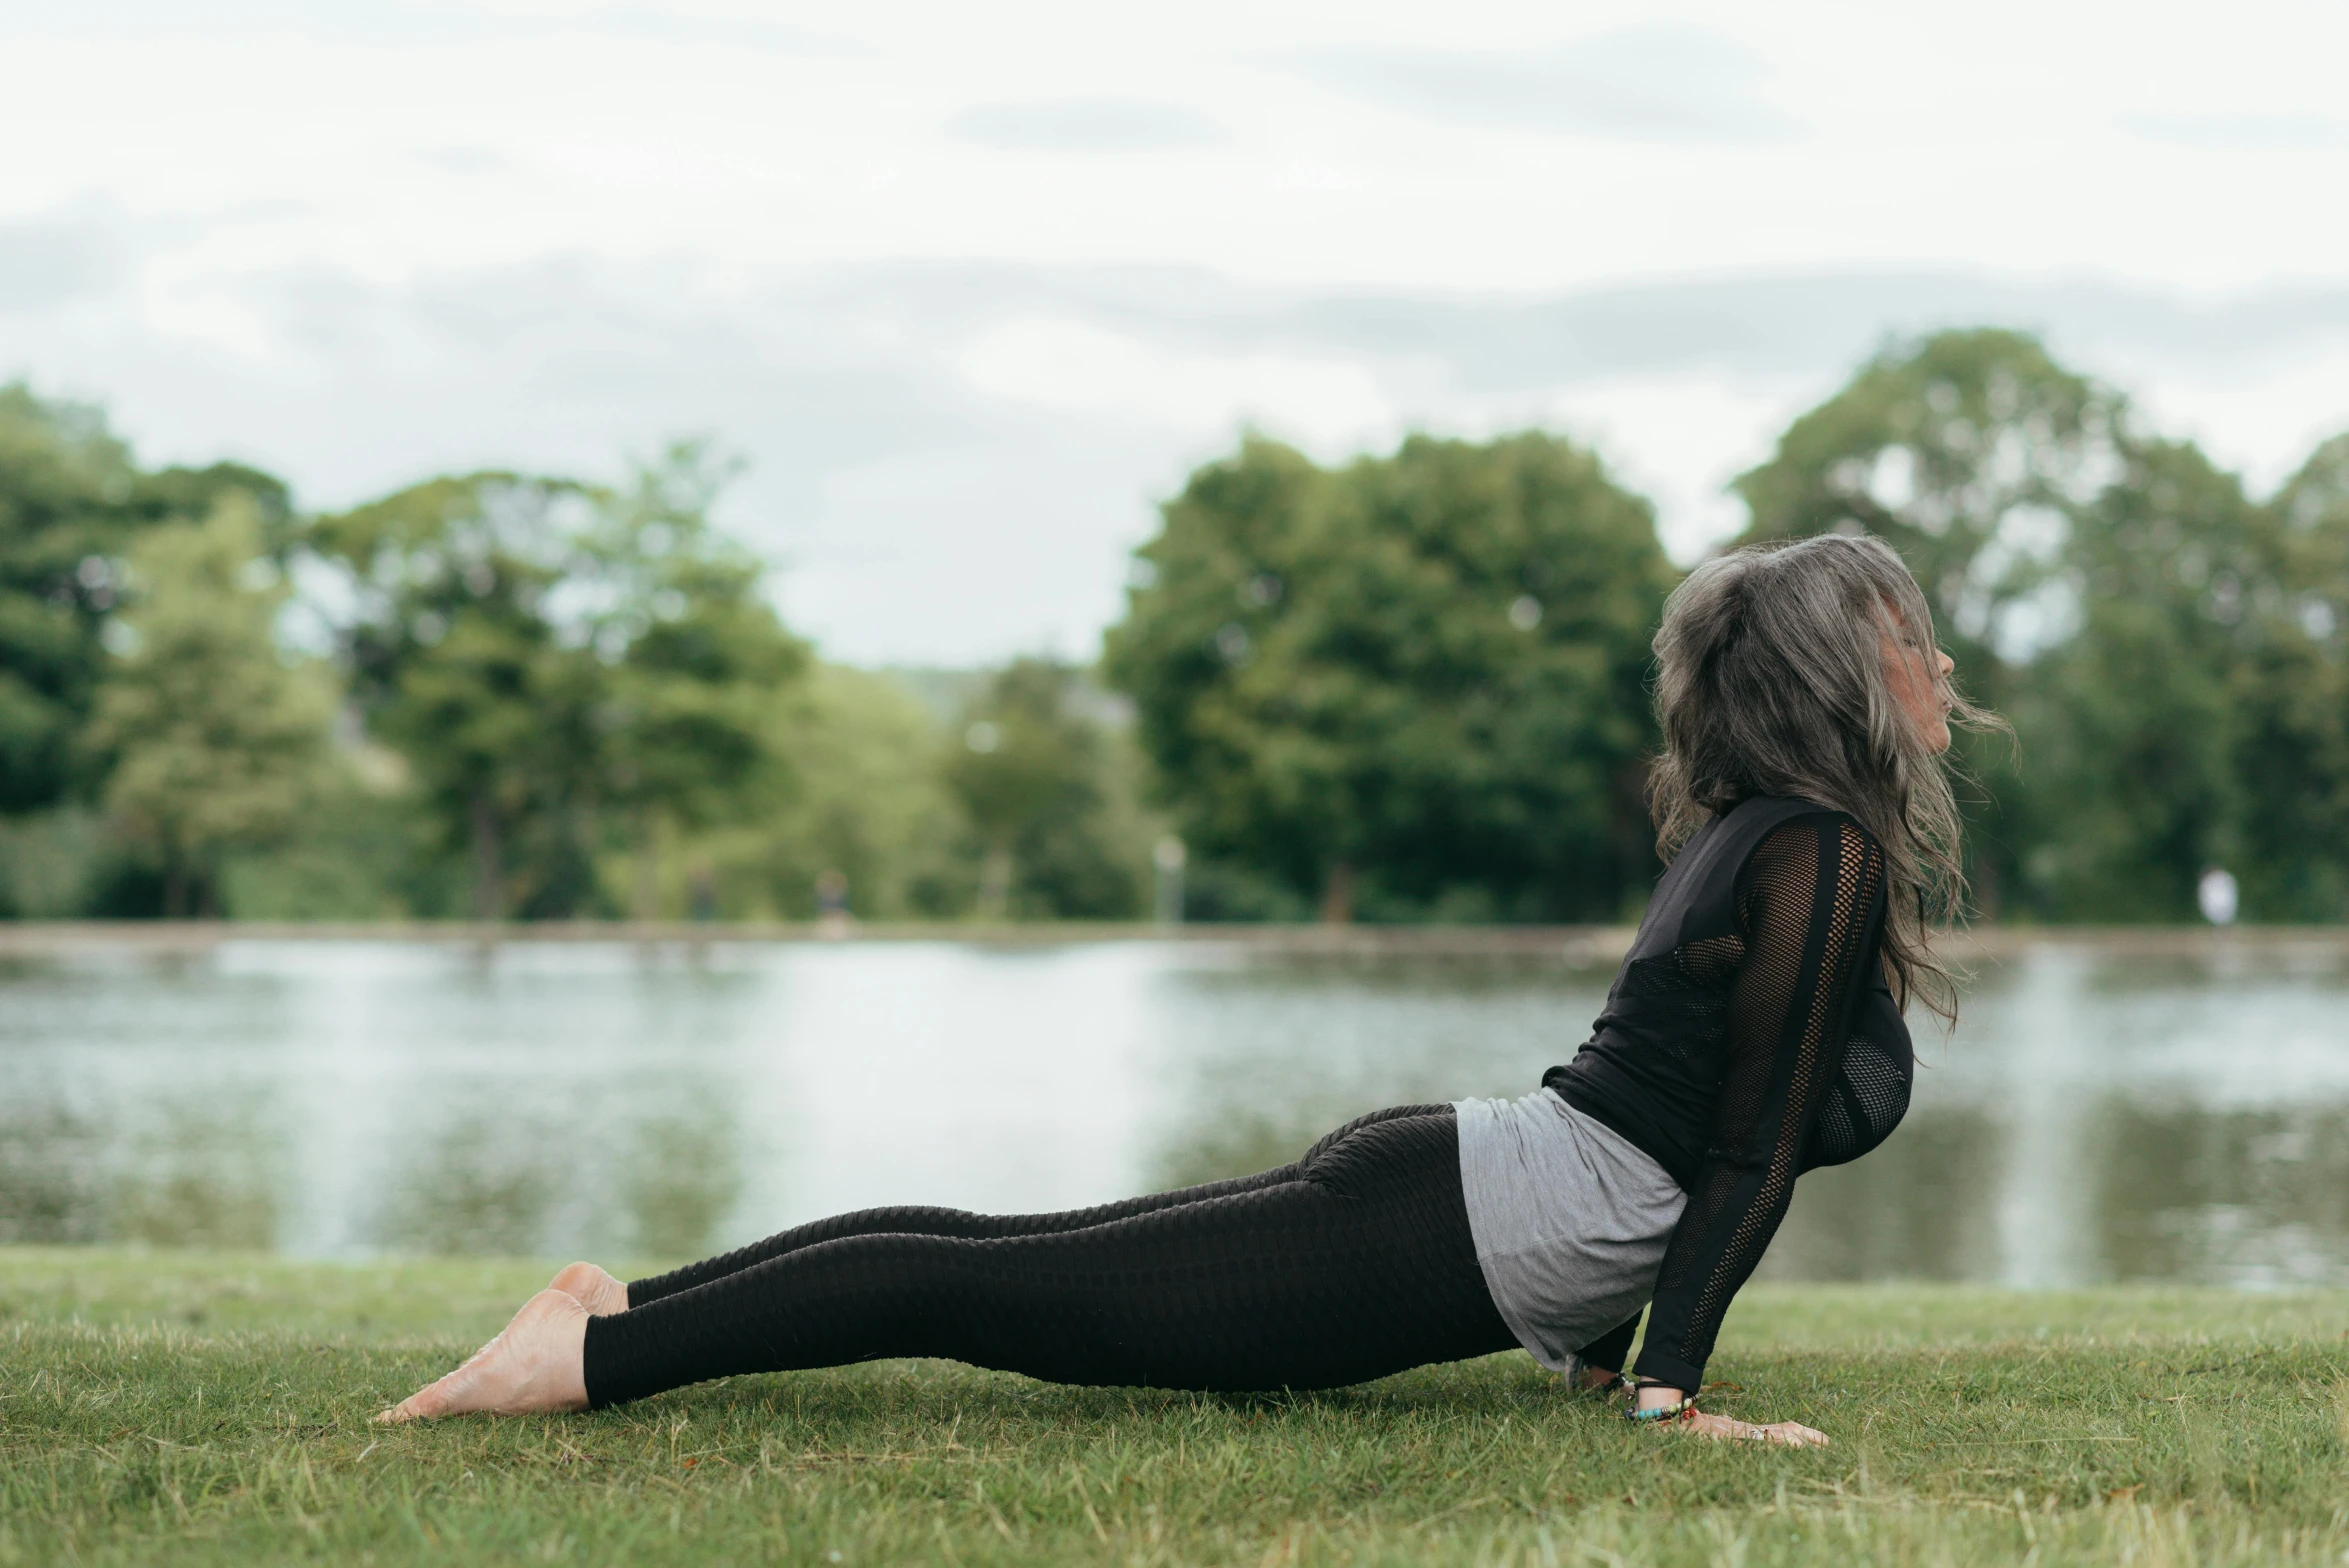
(215, 741)
(866, 804)
(2295, 754)
(695, 660)
(1035, 781)
(1970, 453)
(71, 502)
(1414, 686)
(2168, 650)
(553, 657)
(2133, 728)
(452, 644)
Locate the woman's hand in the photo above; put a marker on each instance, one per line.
(1791, 1433)
(1654, 1396)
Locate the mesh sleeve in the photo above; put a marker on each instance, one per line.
(1812, 901)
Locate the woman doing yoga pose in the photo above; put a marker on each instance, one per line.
(1753, 1032)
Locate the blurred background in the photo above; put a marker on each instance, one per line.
(942, 477)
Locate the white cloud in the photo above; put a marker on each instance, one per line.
(1110, 126)
(971, 286)
(2242, 130)
(1640, 84)
(1074, 366)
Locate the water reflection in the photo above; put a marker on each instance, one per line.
(2098, 1117)
(2256, 1197)
(1259, 1059)
(53, 1185)
(485, 1184)
(202, 1176)
(683, 1176)
(1913, 1209)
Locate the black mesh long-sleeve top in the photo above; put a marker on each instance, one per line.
(1749, 1036)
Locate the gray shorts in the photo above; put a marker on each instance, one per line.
(1570, 1220)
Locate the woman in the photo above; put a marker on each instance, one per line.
(1754, 1031)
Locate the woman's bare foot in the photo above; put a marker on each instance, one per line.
(538, 1363)
(592, 1288)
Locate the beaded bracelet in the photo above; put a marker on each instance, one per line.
(1680, 1412)
(1686, 1408)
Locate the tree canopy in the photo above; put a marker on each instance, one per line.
(1412, 686)
(543, 651)
(214, 741)
(1037, 784)
(72, 500)
(2170, 651)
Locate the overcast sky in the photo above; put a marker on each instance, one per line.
(972, 286)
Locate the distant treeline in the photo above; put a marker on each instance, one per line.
(493, 696)
(1410, 688)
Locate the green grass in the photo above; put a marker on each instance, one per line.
(206, 1408)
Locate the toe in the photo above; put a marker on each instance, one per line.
(433, 1399)
(413, 1408)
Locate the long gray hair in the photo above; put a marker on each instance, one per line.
(1770, 681)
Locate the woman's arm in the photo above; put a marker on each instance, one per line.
(1812, 900)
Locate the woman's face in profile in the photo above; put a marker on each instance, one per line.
(1918, 676)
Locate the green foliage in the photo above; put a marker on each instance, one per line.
(913, 823)
(2135, 728)
(1973, 453)
(2294, 750)
(1970, 453)
(576, 698)
(2169, 651)
(866, 804)
(1411, 688)
(71, 501)
(695, 658)
(460, 668)
(1037, 783)
(65, 491)
(363, 850)
(52, 862)
(1414, 685)
(214, 742)
(551, 659)
(215, 1410)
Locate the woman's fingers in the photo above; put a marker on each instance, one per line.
(1791, 1433)
(1794, 1434)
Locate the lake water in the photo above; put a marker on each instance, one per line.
(2099, 1116)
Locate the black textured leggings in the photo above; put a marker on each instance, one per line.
(1352, 1263)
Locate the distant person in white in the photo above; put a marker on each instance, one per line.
(2218, 896)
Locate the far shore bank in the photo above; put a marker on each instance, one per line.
(1569, 945)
